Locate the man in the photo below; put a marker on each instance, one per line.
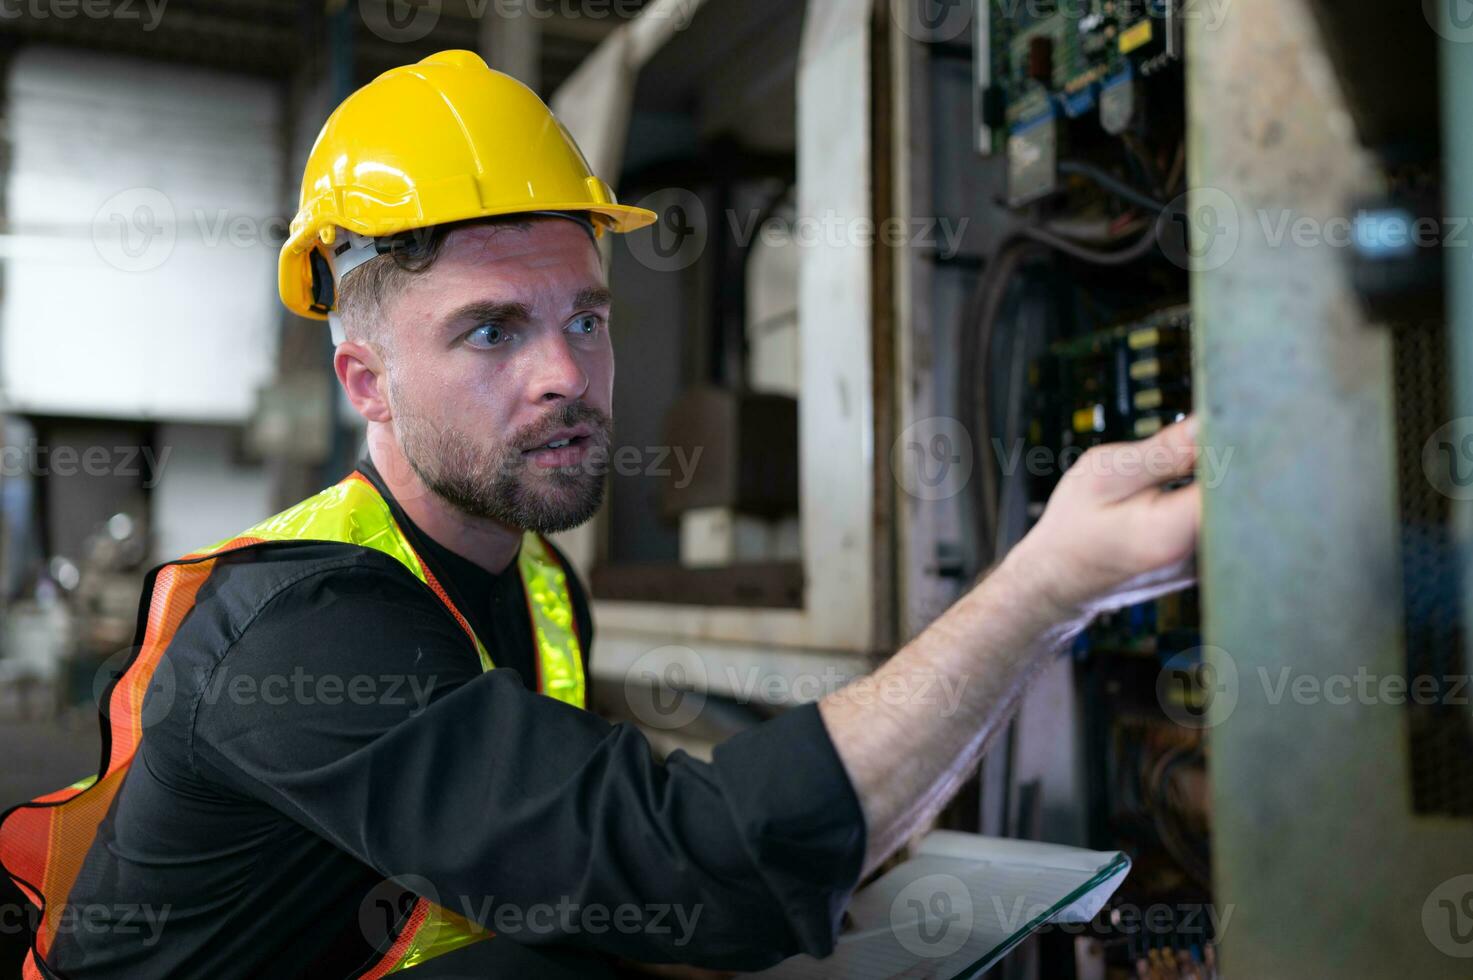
(425, 811)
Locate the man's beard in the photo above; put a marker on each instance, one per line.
(501, 483)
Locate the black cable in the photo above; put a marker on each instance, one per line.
(1132, 253)
(985, 307)
(978, 324)
(1111, 183)
(1137, 152)
(1012, 422)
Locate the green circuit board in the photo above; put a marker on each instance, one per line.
(1081, 43)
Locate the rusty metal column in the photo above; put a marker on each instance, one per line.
(1322, 870)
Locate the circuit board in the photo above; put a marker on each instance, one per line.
(1055, 57)
(1042, 63)
(1125, 382)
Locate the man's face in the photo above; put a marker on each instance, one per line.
(499, 349)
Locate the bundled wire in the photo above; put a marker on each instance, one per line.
(979, 324)
(1029, 244)
(1133, 253)
(1111, 183)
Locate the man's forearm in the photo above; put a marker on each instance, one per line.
(906, 750)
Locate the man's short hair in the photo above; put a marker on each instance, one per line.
(362, 293)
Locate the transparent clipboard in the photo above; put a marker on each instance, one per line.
(958, 906)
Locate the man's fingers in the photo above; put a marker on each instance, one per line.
(1122, 470)
(1181, 437)
(1172, 522)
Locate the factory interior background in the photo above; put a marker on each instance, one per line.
(912, 258)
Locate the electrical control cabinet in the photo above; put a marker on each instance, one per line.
(1127, 169)
(1075, 330)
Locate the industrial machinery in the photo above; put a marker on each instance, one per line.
(1175, 206)
(1078, 333)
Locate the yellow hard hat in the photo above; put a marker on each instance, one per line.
(443, 140)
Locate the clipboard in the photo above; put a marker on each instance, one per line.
(958, 906)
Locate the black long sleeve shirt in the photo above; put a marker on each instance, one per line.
(321, 723)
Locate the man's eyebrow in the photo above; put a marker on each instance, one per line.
(484, 311)
(592, 297)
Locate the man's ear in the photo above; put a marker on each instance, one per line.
(361, 372)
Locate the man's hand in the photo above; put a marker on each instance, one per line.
(1111, 535)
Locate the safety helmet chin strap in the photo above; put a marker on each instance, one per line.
(349, 250)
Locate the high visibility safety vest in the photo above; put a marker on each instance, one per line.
(44, 842)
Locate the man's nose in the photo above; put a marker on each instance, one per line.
(558, 375)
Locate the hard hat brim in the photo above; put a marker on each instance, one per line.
(295, 271)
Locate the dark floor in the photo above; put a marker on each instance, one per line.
(38, 757)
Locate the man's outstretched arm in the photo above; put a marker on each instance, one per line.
(1111, 536)
(504, 800)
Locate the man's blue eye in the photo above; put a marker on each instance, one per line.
(587, 325)
(486, 335)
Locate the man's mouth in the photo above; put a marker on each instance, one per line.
(561, 438)
(565, 448)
